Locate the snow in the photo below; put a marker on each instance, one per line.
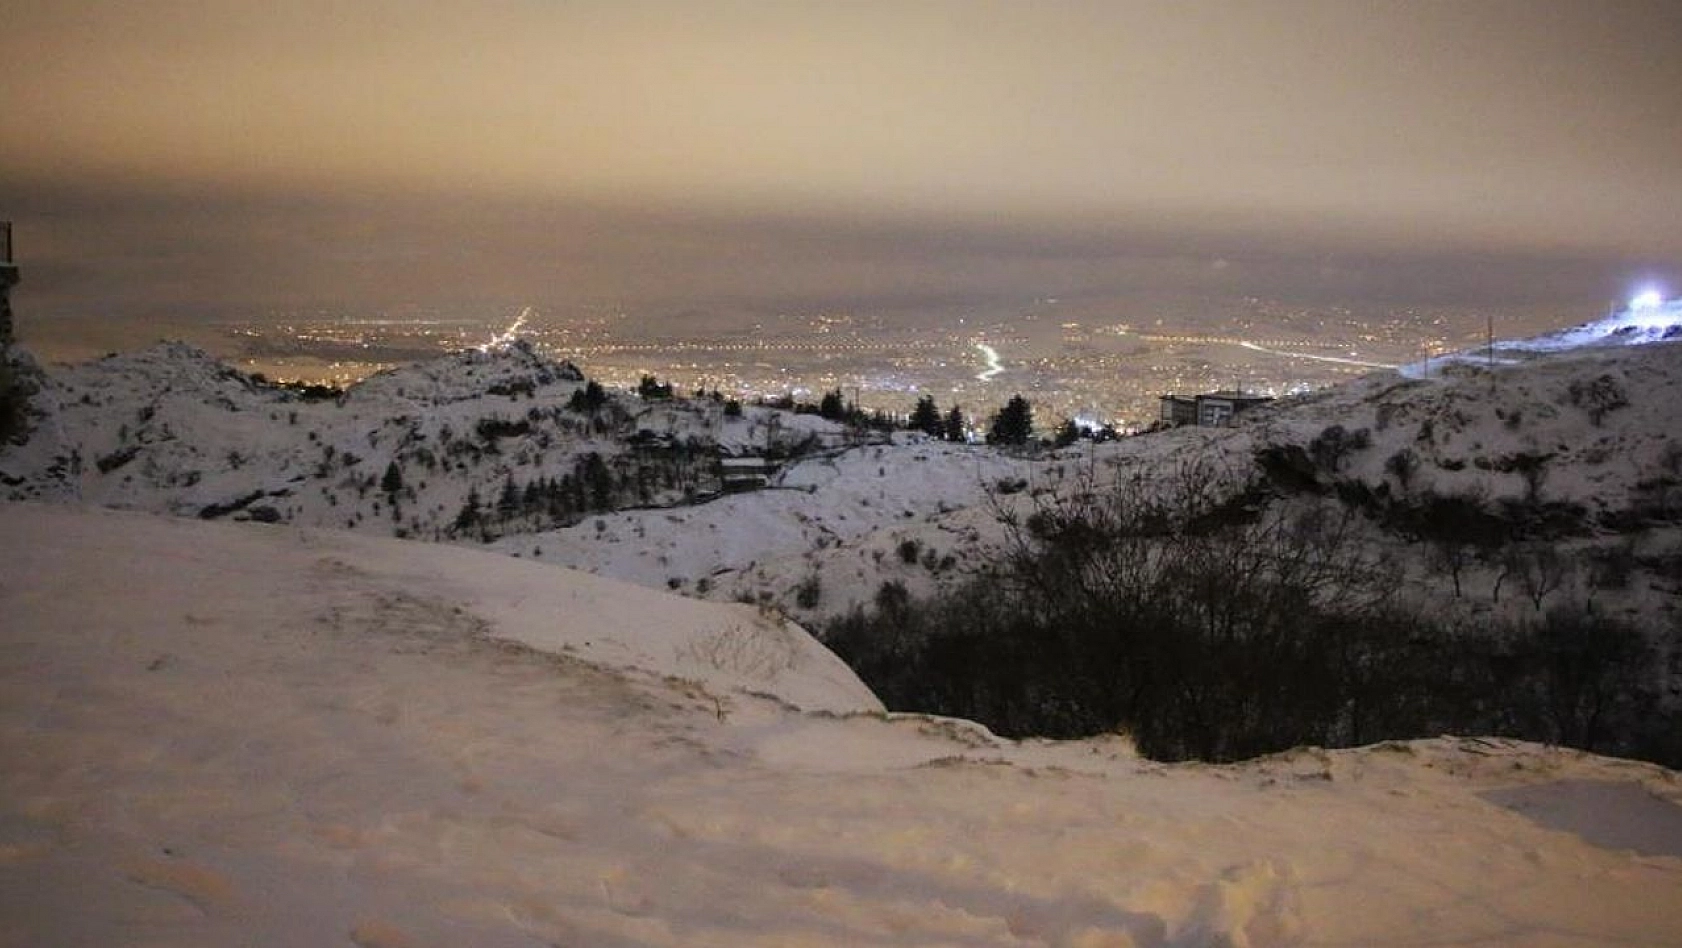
(221, 733)
(1642, 323)
(170, 430)
(1462, 424)
(839, 515)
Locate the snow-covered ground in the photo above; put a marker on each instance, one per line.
(243, 734)
(841, 517)
(170, 430)
(1645, 321)
(167, 429)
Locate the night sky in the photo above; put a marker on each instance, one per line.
(215, 157)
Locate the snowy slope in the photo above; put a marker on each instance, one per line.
(1598, 425)
(841, 517)
(1647, 321)
(1587, 437)
(1586, 433)
(168, 429)
(241, 734)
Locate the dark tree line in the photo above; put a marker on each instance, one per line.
(927, 418)
(1211, 626)
(596, 484)
(15, 393)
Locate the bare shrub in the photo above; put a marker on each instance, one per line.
(759, 652)
(1598, 396)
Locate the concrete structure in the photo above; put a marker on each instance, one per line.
(1178, 411)
(8, 279)
(745, 473)
(1213, 410)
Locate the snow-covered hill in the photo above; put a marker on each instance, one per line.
(1648, 320)
(1592, 429)
(248, 734)
(1571, 445)
(505, 444)
(832, 530)
(471, 445)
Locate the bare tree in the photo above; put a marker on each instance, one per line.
(1538, 569)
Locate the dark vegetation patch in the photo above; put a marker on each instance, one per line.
(217, 511)
(15, 393)
(1212, 625)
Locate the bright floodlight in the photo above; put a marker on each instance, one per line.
(1647, 299)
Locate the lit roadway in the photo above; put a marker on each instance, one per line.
(1318, 358)
(510, 334)
(611, 348)
(1272, 347)
(994, 366)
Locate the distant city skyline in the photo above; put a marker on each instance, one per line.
(696, 161)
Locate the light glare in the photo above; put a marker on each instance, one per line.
(1647, 299)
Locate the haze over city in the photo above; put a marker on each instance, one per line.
(1111, 198)
(1162, 473)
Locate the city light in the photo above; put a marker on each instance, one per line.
(1647, 299)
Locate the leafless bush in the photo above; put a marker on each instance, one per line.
(759, 652)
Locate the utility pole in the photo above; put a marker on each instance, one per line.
(1490, 348)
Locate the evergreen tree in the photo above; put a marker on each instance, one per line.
(392, 482)
(508, 502)
(589, 399)
(1014, 424)
(469, 515)
(926, 417)
(14, 402)
(833, 407)
(598, 480)
(650, 388)
(955, 424)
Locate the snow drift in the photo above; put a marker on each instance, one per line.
(236, 733)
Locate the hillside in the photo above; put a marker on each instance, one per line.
(1570, 445)
(241, 733)
(502, 446)
(1578, 448)
(429, 451)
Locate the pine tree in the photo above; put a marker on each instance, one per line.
(955, 424)
(599, 481)
(651, 388)
(392, 482)
(589, 399)
(926, 417)
(1014, 424)
(469, 515)
(833, 407)
(508, 502)
(14, 402)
